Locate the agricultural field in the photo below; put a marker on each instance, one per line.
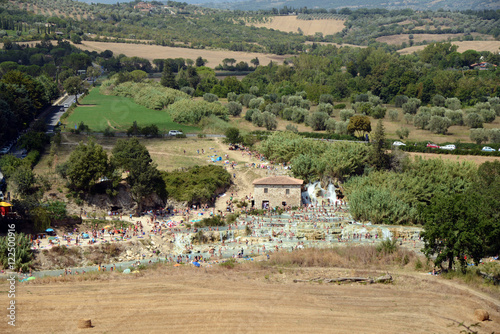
(418, 38)
(308, 27)
(101, 111)
(491, 46)
(250, 298)
(150, 52)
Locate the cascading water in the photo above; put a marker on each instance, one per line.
(310, 196)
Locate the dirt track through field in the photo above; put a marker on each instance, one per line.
(252, 300)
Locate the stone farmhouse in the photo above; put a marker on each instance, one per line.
(277, 191)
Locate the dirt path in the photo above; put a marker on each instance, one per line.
(251, 299)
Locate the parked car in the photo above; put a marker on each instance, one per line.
(488, 149)
(432, 145)
(174, 133)
(450, 147)
(398, 143)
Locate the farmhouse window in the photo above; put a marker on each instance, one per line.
(288, 191)
(265, 190)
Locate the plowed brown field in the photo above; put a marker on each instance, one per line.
(249, 300)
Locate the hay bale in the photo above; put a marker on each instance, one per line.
(84, 323)
(481, 315)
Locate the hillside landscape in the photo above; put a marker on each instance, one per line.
(250, 166)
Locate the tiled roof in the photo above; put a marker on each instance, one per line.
(278, 180)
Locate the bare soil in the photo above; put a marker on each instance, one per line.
(398, 39)
(308, 27)
(248, 299)
(491, 46)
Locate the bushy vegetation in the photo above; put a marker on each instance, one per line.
(395, 198)
(191, 112)
(150, 95)
(197, 185)
(22, 253)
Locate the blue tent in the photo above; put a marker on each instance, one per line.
(49, 230)
(217, 159)
(197, 264)
(85, 235)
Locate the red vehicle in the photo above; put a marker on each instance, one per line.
(432, 145)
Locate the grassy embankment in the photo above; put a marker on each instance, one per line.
(100, 111)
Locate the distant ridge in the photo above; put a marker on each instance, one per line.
(352, 4)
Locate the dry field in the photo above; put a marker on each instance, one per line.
(491, 46)
(335, 44)
(398, 39)
(308, 27)
(151, 52)
(457, 158)
(248, 299)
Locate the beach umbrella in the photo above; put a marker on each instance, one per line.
(197, 264)
(49, 230)
(5, 204)
(107, 226)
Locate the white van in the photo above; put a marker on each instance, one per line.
(66, 105)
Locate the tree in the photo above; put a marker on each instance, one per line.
(359, 125)
(143, 176)
(439, 124)
(403, 133)
(457, 226)
(479, 135)
(255, 61)
(23, 179)
(473, 120)
(234, 108)
(168, 78)
(200, 62)
(233, 135)
(75, 38)
(317, 120)
(378, 157)
(86, 165)
(74, 86)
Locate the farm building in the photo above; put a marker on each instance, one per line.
(277, 191)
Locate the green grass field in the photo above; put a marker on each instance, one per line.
(100, 111)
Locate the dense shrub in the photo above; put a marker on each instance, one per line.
(209, 97)
(339, 106)
(438, 124)
(346, 114)
(317, 120)
(326, 99)
(276, 108)
(249, 114)
(191, 112)
(455, 116)
(473, 120)
(453, 103)
(244, 99)
(256, 103)
(403, 133)
(234, 108)
(411, 106)
(150, 95)
(421, 120)
(257, 118)
(478, 135)
(299, 115)
(438, 100)
(394, 115)
(399, 100)
(378, 112)
(494, 135)
(325, 107)
(270, 122)
(330, 125)
(199, 184)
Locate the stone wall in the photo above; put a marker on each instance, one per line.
(276, 195)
